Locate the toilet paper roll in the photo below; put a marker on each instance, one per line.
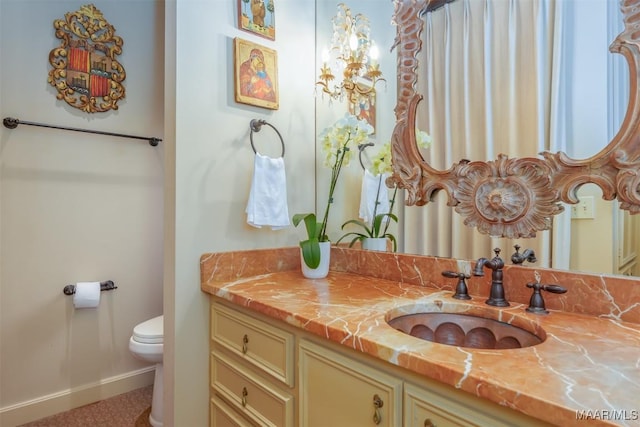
(87, 295)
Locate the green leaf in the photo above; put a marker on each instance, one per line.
(311, 252)
(310, 224)
(393, 239)
(358, 236)
(377, 222)
(392, 216)
(359, 223)
(356, 239)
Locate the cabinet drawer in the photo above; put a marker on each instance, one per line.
(252, 396)
(424, 408)
(267, 348)
(337, 391)
(223, 416)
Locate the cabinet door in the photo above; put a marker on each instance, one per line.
(425, 408)
(337, 391)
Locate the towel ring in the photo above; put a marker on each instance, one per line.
(361, 148)
(256, 125)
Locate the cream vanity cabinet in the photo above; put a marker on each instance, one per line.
(251, 370)
(336, 390)
(267, 373)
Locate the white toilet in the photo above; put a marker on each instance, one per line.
(146, 343)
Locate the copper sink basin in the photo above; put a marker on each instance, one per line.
(466, 326)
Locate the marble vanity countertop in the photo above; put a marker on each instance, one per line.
(587, 365)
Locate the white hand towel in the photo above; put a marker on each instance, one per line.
(373, 188)
(267, 204)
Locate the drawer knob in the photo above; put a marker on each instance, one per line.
(429, 423)
(377, 404)
(245, 394)
(245, 344)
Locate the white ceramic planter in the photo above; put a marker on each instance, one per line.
(375, 243)
(323, 269)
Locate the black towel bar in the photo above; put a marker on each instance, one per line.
(11, 123)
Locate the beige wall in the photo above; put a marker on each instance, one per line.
(76, 207)
(592, 244)
(214, 165)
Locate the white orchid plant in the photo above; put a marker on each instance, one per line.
(338, 142)
(381, 166)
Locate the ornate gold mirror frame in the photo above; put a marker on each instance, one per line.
(512, 197)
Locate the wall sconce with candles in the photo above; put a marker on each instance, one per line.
(355, 55)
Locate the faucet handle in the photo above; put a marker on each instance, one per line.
(536, 303)
(461, 288)
(554, 289)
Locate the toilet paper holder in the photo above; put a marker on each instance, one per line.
(107, 285)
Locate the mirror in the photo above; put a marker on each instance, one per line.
(509, 197)
(622, 249)
(383, 32)
(536, 186)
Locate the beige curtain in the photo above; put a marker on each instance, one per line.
(489, 72)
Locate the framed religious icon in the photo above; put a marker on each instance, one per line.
(257, 17)
(255, 74)
(364, 107)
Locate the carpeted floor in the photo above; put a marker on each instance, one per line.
(125, 410)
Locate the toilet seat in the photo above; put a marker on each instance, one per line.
(150, 331)
(146, 344)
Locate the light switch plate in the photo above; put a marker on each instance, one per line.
(583, 209)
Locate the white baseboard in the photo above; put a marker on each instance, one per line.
(66, 400)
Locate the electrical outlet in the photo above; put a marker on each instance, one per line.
(583, 209)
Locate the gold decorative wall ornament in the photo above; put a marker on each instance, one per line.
(85, 70)
(512, 197)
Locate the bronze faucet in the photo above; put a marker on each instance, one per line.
(528, 255)
(496, 294)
